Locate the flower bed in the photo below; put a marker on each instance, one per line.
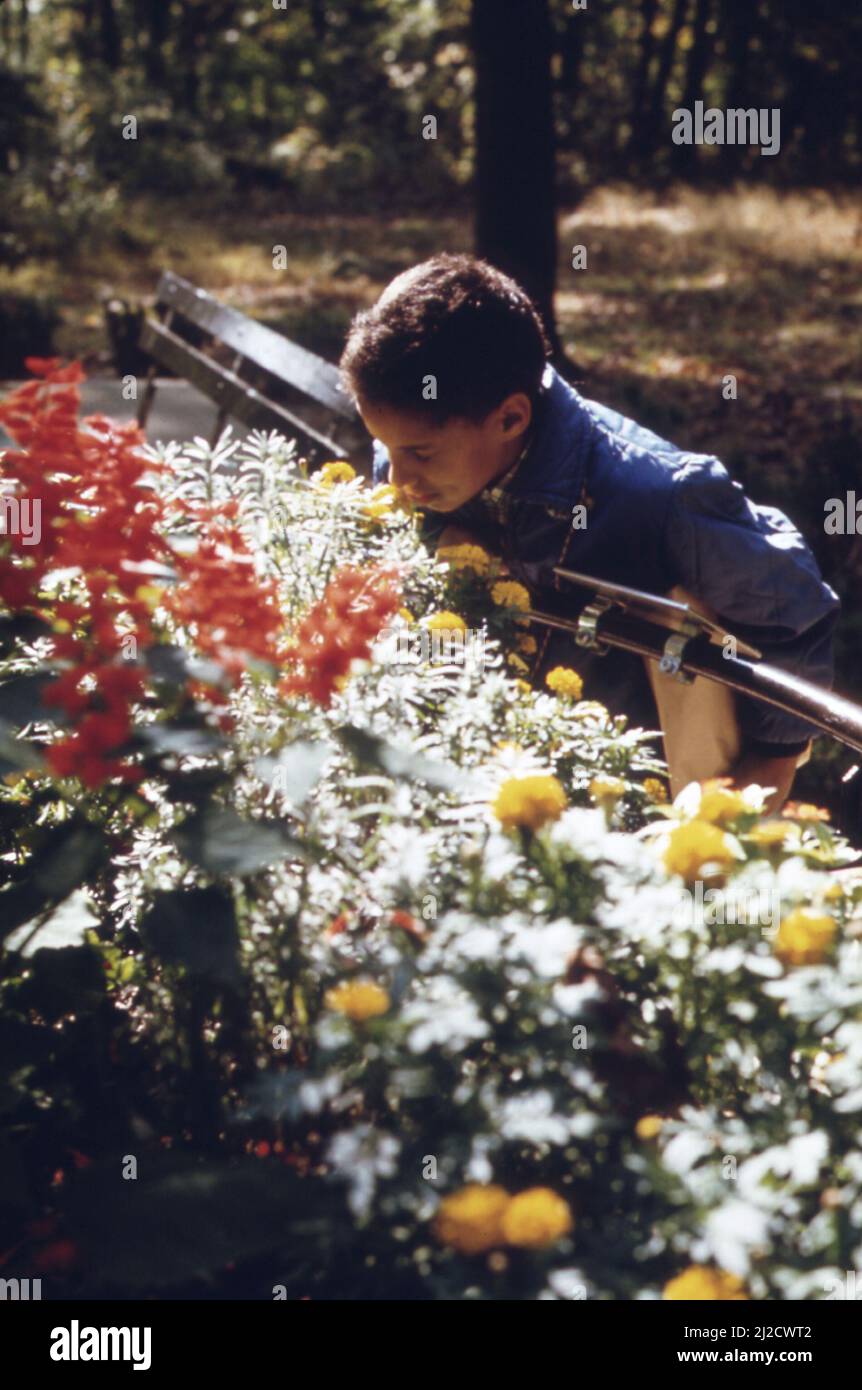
(330, 972)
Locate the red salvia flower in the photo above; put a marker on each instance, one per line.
(98, 517)
(339, 629)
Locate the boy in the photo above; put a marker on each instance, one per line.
(449, 372)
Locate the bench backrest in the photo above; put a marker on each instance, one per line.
(267, 382)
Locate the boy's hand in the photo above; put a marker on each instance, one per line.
(767, 772)
(456, 535)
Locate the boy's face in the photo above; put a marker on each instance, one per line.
(442, 466)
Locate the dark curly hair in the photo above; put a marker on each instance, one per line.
(458, 320)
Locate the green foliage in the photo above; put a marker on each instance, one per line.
(326, 105)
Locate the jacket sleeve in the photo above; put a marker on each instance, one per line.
(753, 567)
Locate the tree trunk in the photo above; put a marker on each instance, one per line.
(23, 32)
(700, 53)
(516, 226)
(187, 55)
(658, 96)
(571, 54)
(109, 35)
(641, 81)
(158, 19)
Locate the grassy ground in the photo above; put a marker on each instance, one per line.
(679, 292)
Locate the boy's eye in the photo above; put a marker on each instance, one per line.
(419, 456)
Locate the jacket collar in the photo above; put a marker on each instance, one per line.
(552, 471)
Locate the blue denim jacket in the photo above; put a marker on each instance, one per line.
(657, 516)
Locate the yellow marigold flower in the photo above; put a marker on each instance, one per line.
(769, 833)
(384, 499)
(516, 662)
(721, 805)
(529, 801)
(358, 999)
(607, 788)
(509, 594)
(469, 1220)
(834, 893)
(445, 622)
(465, 557)
(693, 845)
(536, 1218)
(563, 681)
(528, 644)
(804, 811)
(698, 1283)
(524, 687)
(655, 790)
(649, 1127)
(804, 937)
(336, 471)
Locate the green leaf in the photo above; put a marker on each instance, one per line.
(67, 925)
(175, 666)
(222, 842)
(69, 857)
(399, 762)
(22, 700)
(63, 981)
(296, 770)
(21, 628)
(180, 1220)
(17, 754)
(196, 929)
(64, 858)
(189, 740)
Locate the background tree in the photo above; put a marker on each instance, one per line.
(515, 147)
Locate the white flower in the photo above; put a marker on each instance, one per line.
(443, 1015)
(567, 1283)
(361, 1155)
(501, 859)
(314, 1095)
(732, 1231)
(547, 947)
(533, 1117)
(404, 853)
(685, 1150)
(573, 999)
(481, 943)
(479, 1167)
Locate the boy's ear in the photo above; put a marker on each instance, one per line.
(516, 413)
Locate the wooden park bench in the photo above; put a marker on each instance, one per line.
(252, 373)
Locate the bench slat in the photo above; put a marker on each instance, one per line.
(236, 397)
(272, 352)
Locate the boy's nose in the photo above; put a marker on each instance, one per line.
(400, 476)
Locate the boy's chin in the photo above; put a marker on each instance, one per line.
(445, 505)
